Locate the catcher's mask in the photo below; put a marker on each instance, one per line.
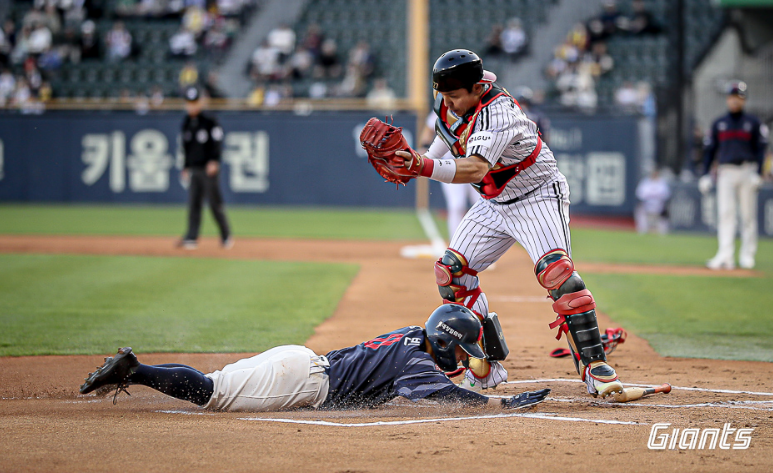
(451, 325)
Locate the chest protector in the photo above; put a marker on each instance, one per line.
(456, 131)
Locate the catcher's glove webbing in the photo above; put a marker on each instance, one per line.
(380, 140)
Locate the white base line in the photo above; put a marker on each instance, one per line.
(722, 404)
(642, 385)
(431, 231)
(444, 419)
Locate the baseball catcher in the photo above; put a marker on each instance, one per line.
(498, 150)
(407, 362)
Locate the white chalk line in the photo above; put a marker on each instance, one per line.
(641, 385)
(719, 404)
(185, 413)
(548, 416)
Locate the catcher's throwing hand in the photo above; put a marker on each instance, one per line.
(389, 153)
(526, 399)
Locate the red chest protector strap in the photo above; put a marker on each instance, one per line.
(495, 181)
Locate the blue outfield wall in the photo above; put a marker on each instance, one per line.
(272, 158)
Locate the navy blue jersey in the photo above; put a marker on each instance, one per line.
(736, 138)
(374, 372)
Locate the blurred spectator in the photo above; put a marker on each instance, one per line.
(183, 43)
(265, 62)
(627, 97)
(32, 75)
(156, 96)
(5, 49)
(274, 95)
(45, 92)
(353, 83)
(22, 94)
(119, 43)
(211, 88)
(610, 18)
(647, 102)
(601, 62)
(494, 42)
(7, 86)
(301, 62)
(313, 39)
(51, 19)
(21, 49)
(216, 39)
(514, 39)
(282, 38)
(189, 76)
(69, 50)
(229, 8)
(578, 37)
(195, 20)
(34, 16)
(381, 97)
(653, 193)
(89, 43)
(40, 40)
(577, 87)
(642, 21)
(329, 66)
(318, 90)
(362, 59)
(257, 95)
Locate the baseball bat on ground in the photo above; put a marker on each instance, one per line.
(633, 394)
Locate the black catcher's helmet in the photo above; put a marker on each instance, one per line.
(457, 69)
(451, 325)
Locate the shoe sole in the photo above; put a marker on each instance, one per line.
(110, 364)
(605, 389)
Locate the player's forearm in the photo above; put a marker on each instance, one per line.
(458, 171)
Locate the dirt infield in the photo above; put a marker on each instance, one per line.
(46, 426)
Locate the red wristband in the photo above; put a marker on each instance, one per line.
(427, 165)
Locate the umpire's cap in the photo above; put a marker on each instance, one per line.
(459, 69)
(191, 94)
(451, 325)
(738, 88)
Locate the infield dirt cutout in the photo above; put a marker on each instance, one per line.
(47, 426)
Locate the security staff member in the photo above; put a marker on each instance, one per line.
(202, 137)
(739, 141)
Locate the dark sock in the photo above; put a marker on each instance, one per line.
(180, 381)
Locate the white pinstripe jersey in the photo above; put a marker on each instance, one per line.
(503, 135)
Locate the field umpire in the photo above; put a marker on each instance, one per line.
(202, 138)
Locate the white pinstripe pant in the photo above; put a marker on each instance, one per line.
(539, 222)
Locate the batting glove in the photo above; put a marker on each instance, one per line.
(527, 399)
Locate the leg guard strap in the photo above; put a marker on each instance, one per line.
(584, 332)
(457, 294)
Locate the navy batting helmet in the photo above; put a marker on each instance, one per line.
(457, 69)
(451, 325)
(738, 88)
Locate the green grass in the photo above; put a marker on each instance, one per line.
(276, 222)
(683, 249)
(57, 304)
(684, 316)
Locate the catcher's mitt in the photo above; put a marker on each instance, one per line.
(381, 140)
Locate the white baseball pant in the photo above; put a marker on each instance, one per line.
(284, 377)
(737, 194)
(539, 222)
(459, 198)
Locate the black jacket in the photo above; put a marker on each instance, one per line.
(736, 138)
(202, 139)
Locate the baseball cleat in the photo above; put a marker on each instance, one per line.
(114, 372)
(187, 244)
(601, 379)
(746, 262)
(717, 264)
(227, 244)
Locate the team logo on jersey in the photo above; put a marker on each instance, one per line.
(442, 326)
(480, 138)
(722, 126)
(202, 136)
(411, 341)
(747, 126)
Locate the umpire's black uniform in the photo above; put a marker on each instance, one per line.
(202, 138)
